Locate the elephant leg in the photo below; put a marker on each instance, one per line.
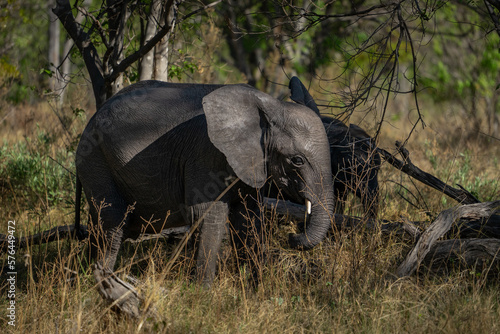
(110, 217)
(248, 236)
(107, 233)
(210, 237)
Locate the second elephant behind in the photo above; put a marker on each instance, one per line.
(354, 159)
(355, 165)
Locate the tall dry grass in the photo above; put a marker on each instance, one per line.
(345, 285)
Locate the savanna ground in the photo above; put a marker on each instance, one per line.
(347, 284)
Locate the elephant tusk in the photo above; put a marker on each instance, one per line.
(308, 206)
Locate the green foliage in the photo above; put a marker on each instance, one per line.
(47, 72)
(11, 88)
(8, 71)
(465, 63)
(185, 65)
(23, 41)
(33, 173)
(19, 93)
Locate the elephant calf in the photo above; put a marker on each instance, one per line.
(160, 155)
(355, 165)
(354, 160)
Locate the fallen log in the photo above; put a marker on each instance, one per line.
(68, 231)
(438, 228)
(53, 234)
(297, 211)
(483, 228)
(461, 195)
(483, 254)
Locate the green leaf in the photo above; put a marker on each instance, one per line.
(46, 71)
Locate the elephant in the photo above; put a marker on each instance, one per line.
(158, 155)
(355, 161)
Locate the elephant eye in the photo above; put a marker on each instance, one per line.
(297, 161)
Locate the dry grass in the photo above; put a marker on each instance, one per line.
(344, 285)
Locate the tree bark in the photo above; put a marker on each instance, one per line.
(65, 68)
(438, 228)
(82, 41)
(484, 254)
(147, 62)
(168, 19)
(54, 49)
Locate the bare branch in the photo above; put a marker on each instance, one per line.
(128, 61)
(460, 195)
(495, 17)
(87, 49)
(210, 5)
(314, 18)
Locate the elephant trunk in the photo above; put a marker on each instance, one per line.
(318, 222)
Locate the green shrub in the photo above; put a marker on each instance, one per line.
(35, 170)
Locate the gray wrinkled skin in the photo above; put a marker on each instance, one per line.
(354, 161)
(164, 152)
(355, 165)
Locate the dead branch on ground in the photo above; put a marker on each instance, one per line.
(460, 195)
(439, 227)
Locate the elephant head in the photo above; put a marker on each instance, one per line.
(262, 137)
(354, 158)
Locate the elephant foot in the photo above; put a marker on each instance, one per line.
(123, 297)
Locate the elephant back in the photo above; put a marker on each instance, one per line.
(141, 113)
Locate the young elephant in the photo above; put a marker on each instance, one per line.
(355, 165)
(354, 160)
(160, 155)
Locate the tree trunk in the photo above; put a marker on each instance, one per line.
(87, 49)
(65, 68)
(54, 51)
(168, 18)
(438, 228)
(147, 62)
(118, 15)
(235, 42)
(483, 254)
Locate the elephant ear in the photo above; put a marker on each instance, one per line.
(237, 121)
(300, 94)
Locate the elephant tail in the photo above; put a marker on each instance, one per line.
(79, 233)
